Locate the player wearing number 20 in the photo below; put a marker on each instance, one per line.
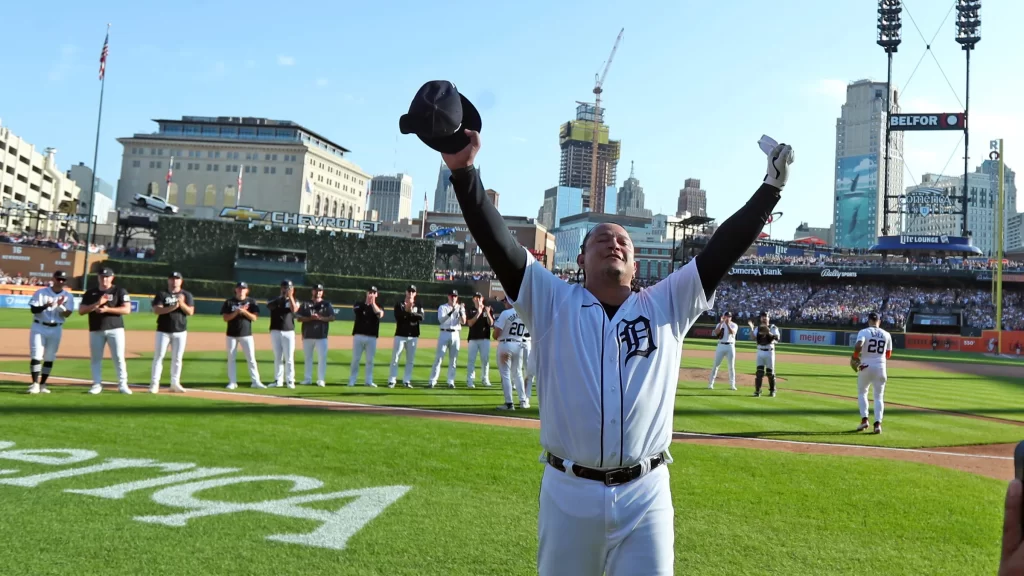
(513, 337)
(873, 348)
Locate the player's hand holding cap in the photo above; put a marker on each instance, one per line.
(779, 160)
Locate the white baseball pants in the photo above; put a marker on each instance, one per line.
(446, 342)
(362, 343)
(43, 342)
(510, 367)
(248, 346)
(176, 340)
(481, 348)
(283, 342)
(586, 528)
(874, 376)
(98, 341)
(725, 352)
(318, 345)
(529, 372)
(408, 345)
(766, 358)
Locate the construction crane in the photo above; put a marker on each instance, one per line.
(596, 192)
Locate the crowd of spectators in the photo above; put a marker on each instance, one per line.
(839, 261)
(19, 280)
(43, 241)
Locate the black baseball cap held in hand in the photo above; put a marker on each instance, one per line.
(438, 115)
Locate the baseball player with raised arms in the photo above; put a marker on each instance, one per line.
(608, 358)
(512, 335)
(50, 307)
(870, 353)
(725, 332)
(106, 306)
(766, 335)
(172, 308)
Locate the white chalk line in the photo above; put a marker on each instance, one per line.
(677, 435)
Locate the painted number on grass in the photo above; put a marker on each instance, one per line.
(180, 489)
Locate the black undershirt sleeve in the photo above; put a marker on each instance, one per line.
(505, 256)
(735, 236)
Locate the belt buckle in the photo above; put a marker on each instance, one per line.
(617, 477)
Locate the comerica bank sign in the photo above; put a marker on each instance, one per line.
(755, 272)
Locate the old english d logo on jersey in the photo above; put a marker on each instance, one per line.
(638, 337)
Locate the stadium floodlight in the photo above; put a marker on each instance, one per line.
(968, 23)
(890, 24)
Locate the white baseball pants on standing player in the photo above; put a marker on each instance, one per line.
(528, 371)
(43, 342)
(408, 345)
(481, 348)
(766, 358)
(114, 339)
(446, 342)
(361, 343)
(587, 528)
(510, 367)
(874, 376)
(176, 340)
(320, 346)
(283, 342)
(725, 352)
(248, 346)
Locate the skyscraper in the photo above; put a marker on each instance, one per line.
(692, 199)
(630, 200)
(444, 192)
(576, 141)
(391, 197)
(860, 160)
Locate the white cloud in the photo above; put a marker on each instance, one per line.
(321, 82)
(831, 88)
(285, 60)
(68, 55)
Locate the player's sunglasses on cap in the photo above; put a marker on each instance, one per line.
(60, 276)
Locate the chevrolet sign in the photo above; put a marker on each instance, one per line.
(941, 121)
(286, 219)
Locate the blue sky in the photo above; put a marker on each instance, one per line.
(689, 93)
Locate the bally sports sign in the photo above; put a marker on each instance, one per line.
(940, 121)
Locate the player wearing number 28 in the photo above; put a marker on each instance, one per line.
(607, 358)
(873, 348)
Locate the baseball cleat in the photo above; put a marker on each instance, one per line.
(431, 385)
(508, 406)
(863, 424)
(371, 384)
(711, 386)
(470, 385)
(772, 393)
(33, 389)
(154, 388)
(96, 389)
(732, 387)
(408, 384)
(878, 427)
(757, 394)
(525, 404)
(124, 389)
(276, 385)
(258, 385)
(177, 388)
(391, 384)
(320, 383)
(451, 384)
(291, 385)
(232, 386)
(43, 389)
(487, 384)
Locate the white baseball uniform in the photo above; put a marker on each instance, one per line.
(875, 343)
(512, 355)
(726, 350)
(448, 340)
(607, 403)
(47, 329)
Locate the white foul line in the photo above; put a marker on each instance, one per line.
(677, 435)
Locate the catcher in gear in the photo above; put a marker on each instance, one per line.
(766, 335)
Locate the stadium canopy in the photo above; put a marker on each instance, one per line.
(925, 243)
(811, 240)
(763, 235)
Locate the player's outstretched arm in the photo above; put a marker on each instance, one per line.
(506, 257)
(740, 230)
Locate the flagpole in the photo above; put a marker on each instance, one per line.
(170, 174)
(95, 159)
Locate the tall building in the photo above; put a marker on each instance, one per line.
(82, 174)
(391, 197)
(576, 141)
(630, 199)
(931, 206)
(805, 230)
(30, 180)
(991, 167)
(860, 160)
(1015, 232)
(445, 200)
(559, 202)
(692, 199)
(283, 166)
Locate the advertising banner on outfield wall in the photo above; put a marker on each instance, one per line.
(820, 337)
(984, 344)
(20, 301)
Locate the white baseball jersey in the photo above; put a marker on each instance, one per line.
(512, 327)
(728, 335)
(454, 321)
(609, 384)
(45, 296)
(875, 343)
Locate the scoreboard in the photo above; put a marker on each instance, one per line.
(40, 262)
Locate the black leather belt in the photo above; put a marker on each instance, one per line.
(510, 340)
(47, 324)
(614, 477)
(765, 349)
(726, 343)
(448, 330)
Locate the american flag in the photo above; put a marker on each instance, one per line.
(240, 183)
(170, 170)
(104, 53)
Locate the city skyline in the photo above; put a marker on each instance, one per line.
(358, 101)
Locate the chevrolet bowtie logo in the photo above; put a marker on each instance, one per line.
(243, 213)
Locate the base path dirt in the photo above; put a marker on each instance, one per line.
(994, 461)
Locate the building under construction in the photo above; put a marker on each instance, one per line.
(576, 140)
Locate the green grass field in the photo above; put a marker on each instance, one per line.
(471, 500)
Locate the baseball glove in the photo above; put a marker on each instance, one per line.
(855, 364)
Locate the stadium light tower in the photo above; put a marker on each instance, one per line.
(968, 34)
(890, 26)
